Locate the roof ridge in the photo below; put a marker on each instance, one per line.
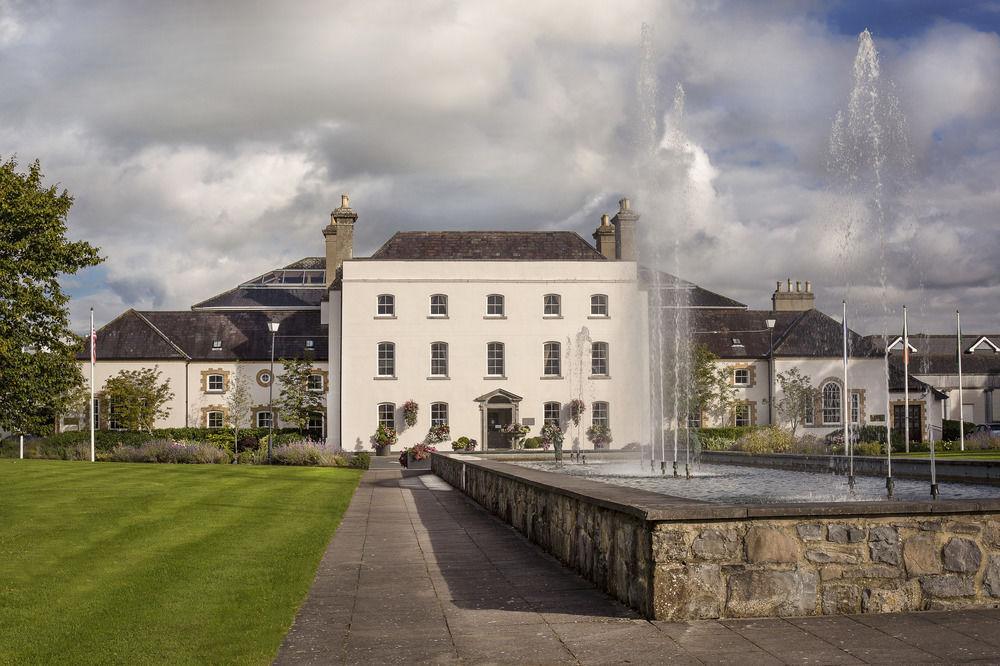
(162, 334)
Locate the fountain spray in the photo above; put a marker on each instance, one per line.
(961, 410)
(848, 444)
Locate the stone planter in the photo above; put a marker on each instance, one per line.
(382, 450)
(413, 463)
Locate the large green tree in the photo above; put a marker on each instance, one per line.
(38, 372)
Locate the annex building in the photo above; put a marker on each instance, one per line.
(486, 328)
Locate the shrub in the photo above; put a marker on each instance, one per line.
(360, 460)
(307, 454)
(809, 444)
(950, 431)
(722, 439)
(166, 451)
(869, 449)
(767, 439)
(533, 443)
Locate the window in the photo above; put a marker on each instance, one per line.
(741, 415)
(550, 413)
(387, 414)
(439, 305)
(877, 418)
(855, 407)
(309, 344)
(741, 377)
(439, 413)
(831, 403)
(386, 305)
(315, 383)
(439, 359)
(315, 424)
(214, 419)
(263, 419)
(215, 384)
(737, 342)
(494, 305)
(808, 417)
(113, 412)
(599, 359)
(552, 354)
(216, 345)
(494, 359)
(264, 377)
(599, 305)
(386, 359)
(694, 417)
(599, 415)
(551, 305)
(97, 413)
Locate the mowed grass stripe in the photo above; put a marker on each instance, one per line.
(158, 563)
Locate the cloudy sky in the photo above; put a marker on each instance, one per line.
(207, 142)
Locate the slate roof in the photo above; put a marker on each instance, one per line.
(264, 298)
(916, 386)
(189, 335)
(937, 354)
(675, 292)
(809, 334)
(487, 246)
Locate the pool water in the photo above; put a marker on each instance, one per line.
(756, 485)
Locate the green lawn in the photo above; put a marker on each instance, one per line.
(146, 563)
(988, 454)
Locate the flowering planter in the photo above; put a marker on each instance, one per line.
(382, 450)
(413, 463)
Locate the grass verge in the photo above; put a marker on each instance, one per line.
(137, 563)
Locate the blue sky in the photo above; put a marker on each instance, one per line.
(205, 146)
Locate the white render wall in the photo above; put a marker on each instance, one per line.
(467, 331)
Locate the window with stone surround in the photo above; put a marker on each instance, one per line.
(552, 359)
(315, 383)
(809, 417)
(214, 419)
(550, 413)
(599, 359)
(495, 359)
(264, 419)
(831, 397)
(741, 376)
(387, 414)
(386, 359)
(741, 415)
(215, 384)
(855, 407)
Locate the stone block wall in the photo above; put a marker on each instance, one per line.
(806, 566)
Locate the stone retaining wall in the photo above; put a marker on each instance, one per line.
(675, 559)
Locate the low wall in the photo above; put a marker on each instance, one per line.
(965, 471)
(675, 559)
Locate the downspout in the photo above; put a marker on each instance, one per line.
(186, 381)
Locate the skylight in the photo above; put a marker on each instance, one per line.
(737, 343)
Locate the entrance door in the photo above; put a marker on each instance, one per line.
(899, 422)
(496, 418)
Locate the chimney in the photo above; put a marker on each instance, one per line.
(604, 238)
(339, 237)
(793, 301)
(624, 222)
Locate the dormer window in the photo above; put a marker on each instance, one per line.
(897, 345)
(983, 344)
(737, 342)
(216, 345)
(309, 344)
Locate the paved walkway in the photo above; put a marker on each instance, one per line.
(417, 573)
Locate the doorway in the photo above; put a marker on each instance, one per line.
(916, 421)
(496, 419)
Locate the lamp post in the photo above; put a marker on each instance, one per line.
(273, 327)
(770, 370)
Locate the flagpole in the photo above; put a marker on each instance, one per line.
(906, 384)
(961, 407)
(888, 432)
(93, 358)
(848, 447)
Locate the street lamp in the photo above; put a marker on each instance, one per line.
(770, 370)
(273, 327)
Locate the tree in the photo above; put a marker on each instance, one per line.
(138, 398)
(38, 369)
(239, 401)
(296, 402)
(712, 391)
(797, 397)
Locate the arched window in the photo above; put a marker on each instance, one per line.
(494, 359)
(552, 357)
(387, 414)
(551, 305)
(439, 413)
(831, 403)
(550, 413)
(215, 384)
(599, 359)
(439, 359)
(599, 305)
(439, 305)
(386, 306)
(386, 359)
(494, 305)
(214, 419)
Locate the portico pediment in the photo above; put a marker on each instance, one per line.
(499, 393)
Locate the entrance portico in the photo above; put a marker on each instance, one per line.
(497, 409)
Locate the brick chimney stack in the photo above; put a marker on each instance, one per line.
(604, 239)
(624, 223)
(339, 237)
(798, 300)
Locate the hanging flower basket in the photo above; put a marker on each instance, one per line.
(410, 408)
(576, 410)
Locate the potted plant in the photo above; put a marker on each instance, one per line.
(516, 432)
(599, 435)
(576, 409)
(383, 439)
(552, 435)
(460, 444)
(417, 456)
(410, 408)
